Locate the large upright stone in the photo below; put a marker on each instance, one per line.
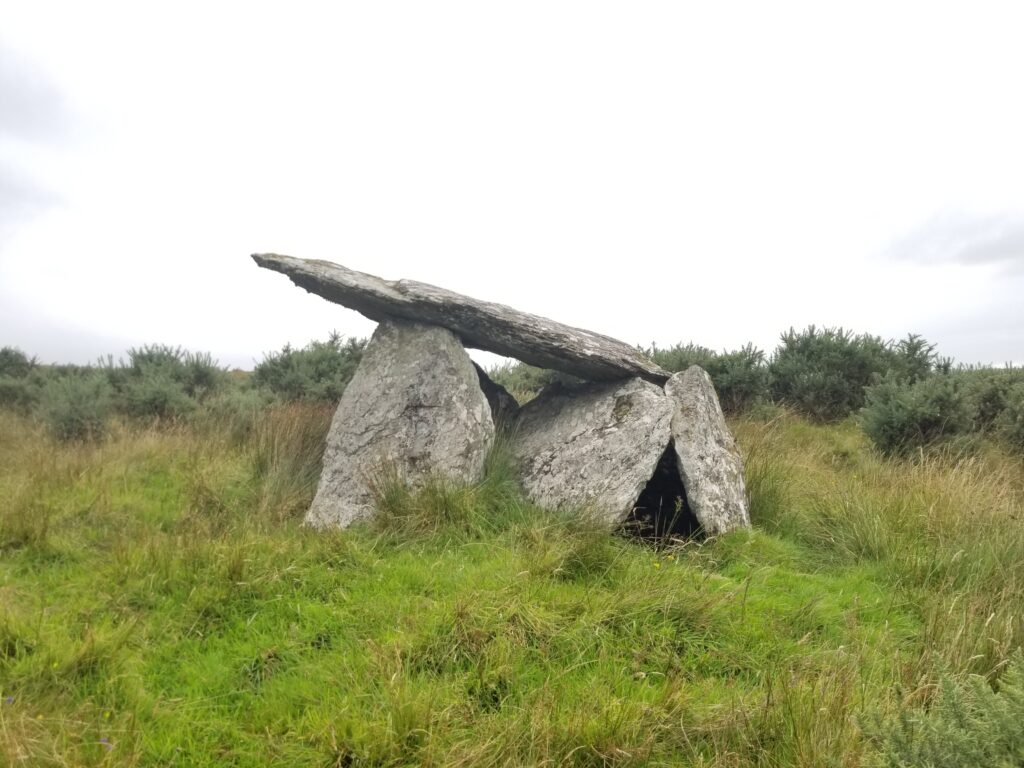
(708, 458)
(415, 405)
(480, 324)
(592, 447)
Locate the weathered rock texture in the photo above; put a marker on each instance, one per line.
(709, 460)
(415, 405)
(480, 324)
(593, 447)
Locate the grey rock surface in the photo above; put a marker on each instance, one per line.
(593, 447)
(479, 324)
(708, 458)
(504, 407)
(414, 404)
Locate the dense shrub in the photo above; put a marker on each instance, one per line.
(912, 359)
(76, 407)
(18, 393)
(319, 371)
(987, 392)
(1011, 420)
(154, 393)
(740, 377)
(823, 372)
(197, 373)
(160, 381)
(968, 724)
(679, 357)
(901, 417)
(15, 363)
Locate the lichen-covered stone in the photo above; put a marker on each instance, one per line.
(479, 324)
(709, 460)
(592, 447)
(414, 405)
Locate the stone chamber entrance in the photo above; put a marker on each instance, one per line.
(661, 511)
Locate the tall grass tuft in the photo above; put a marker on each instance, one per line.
(286, 452)
(438, 506)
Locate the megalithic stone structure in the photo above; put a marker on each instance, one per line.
(479, 324)
(631, 444)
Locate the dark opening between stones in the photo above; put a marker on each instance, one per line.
(661, 511)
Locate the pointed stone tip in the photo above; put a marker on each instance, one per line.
(269, 260)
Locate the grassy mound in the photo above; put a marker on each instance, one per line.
(160, 604)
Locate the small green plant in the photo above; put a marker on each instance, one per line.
(77, 407)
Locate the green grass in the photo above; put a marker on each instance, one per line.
(160, 604)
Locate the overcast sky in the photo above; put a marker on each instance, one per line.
(714, 172)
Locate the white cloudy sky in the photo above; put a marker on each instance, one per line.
(714, 172)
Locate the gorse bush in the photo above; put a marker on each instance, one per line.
(900, 418)
(162, 382)
(679, 357)
(823, 372)
(969, 724)
(155, 393)
(15, 363)
(17, 391)
(77, 407)
(912, 359)
(1011, 421)
(987, 392)
(820, 372)
(19, 394)
(740, 377)
(319, 371)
